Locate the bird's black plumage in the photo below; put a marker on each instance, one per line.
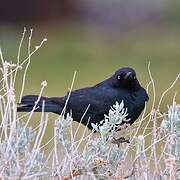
(122, 85)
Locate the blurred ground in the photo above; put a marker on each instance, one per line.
(95, 56)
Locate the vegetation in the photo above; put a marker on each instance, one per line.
(105, 154)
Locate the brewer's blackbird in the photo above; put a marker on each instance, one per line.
(122, 85)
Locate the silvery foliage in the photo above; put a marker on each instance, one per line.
(171, 122)
(100, 154)
(19, 141)
(18, 148)
(34, 162)
(102, 148)
(116, 116)
(171, 125)
(140, 143)
(63, 125)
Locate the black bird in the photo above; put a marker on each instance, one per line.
(122, 85)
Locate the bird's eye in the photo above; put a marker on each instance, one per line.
(119, 77)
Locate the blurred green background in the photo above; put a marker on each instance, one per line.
(94, 38)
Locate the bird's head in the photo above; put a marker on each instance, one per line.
(125, 78)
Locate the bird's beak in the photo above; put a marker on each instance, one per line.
(127, 75)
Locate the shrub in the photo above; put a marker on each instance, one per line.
(106, 153)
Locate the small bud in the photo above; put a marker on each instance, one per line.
(19, 67)
(44, 83)
(36, 47)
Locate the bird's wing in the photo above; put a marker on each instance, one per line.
(99, 99)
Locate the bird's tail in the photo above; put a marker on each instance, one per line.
(39, 104)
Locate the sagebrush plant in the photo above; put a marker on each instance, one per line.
(106, 153)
